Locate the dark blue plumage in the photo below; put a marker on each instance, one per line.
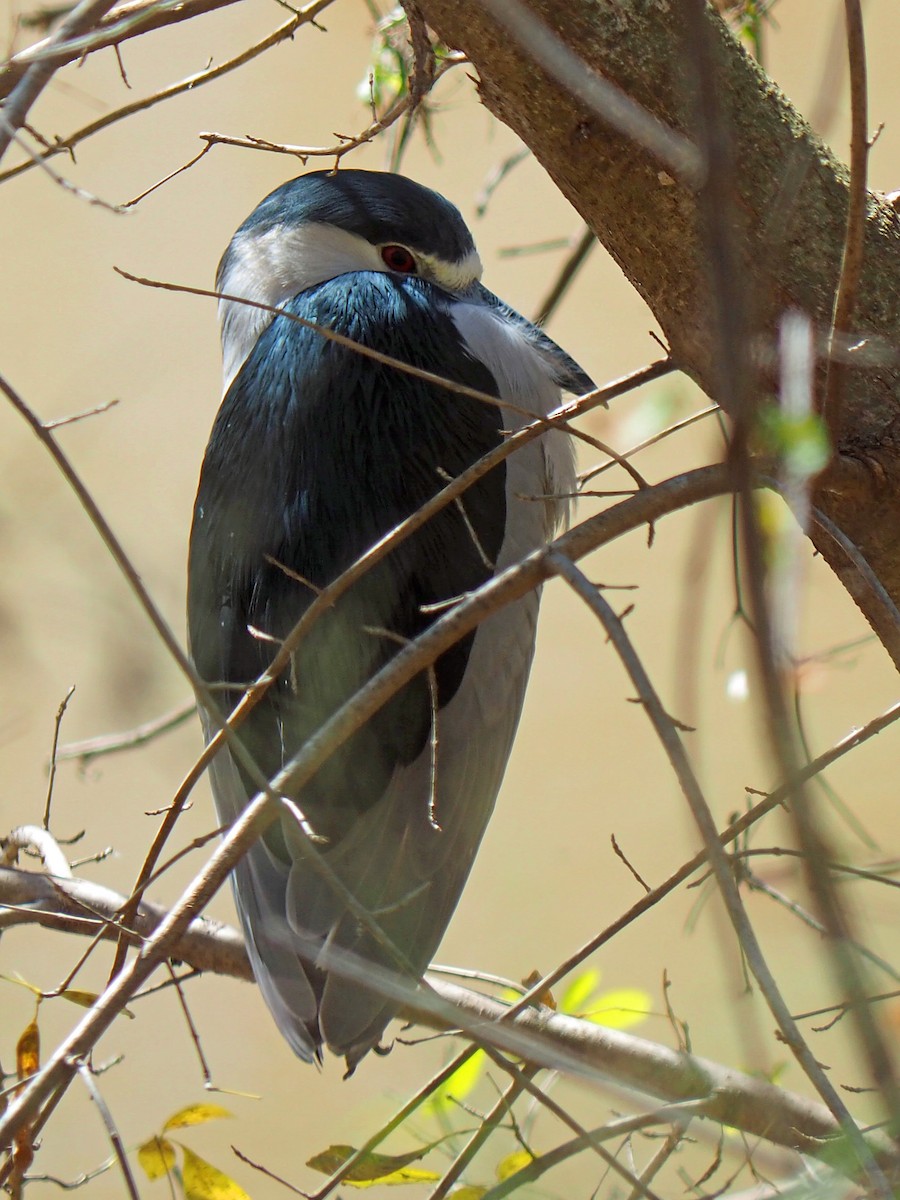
(379, 208)
(316, 453)
(292, 476)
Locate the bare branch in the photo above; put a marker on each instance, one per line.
(128, 19)
(76, 906)
(191, 83)
(39, 839)
(111, 1130)
(695, 1086)
(114, 743)
(36, 76)
(854, 241)
(671, 742)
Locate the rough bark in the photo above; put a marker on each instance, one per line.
(790, 197)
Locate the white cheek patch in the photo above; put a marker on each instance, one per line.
(524, 376)
(272, 266)
(522, 372)
(452, 276)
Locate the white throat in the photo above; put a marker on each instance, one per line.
(273, 266)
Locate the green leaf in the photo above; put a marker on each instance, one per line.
(801, 442)
(579, 992)
(513, 1163)
(461, 1082)
(622, 1008)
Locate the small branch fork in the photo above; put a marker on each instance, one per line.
(67, 144)
(95, 27)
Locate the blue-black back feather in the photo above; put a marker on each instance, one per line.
(316, 453)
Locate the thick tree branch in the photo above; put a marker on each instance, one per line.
(791, 201)
(722, 1095)
(77, 906)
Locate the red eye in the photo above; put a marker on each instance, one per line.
(398, 258)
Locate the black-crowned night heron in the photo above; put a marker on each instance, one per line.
(316, 453)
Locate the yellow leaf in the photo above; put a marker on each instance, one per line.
(513, 1163)
(196, 1114)
(157, 1157)
(375, 1168)
(461, 1082)
(472, 1192)
(620, 1009)
(579, 992)
(28, 1051)
(404, 1175)
(545, 997)
(202, 1181)
(17, 979)
(86, 999)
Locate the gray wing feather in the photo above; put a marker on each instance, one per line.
(404, 866)
(407, 857)
(259, 882)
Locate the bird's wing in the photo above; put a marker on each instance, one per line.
(568, 374)
(315, 454)
(408, 857)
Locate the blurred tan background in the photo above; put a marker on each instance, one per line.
(73, 335)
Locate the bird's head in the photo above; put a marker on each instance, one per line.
(322, 225)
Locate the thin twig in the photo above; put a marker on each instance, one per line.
(854, 238)
(613, 1129)
(675, 427)
(575, 260)
(111, 1130)
(678, 759)
(114, 743)
(36, 77)
(338, 149)
(131, 18)
(525, 1081)
(192, 1028)
(33, 159)
(60, 713)
(670, 1144)
(191, 83)
(489, 1124)
(504, 403)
